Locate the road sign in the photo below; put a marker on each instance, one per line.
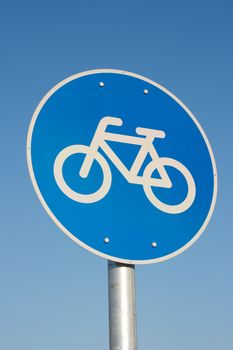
(122, 166)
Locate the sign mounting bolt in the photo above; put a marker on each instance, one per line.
(101, 83)
(106, 240)
(154, 244)
(146, 91)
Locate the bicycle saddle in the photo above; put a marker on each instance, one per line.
(152, 132)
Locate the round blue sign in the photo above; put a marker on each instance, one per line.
(122, 166)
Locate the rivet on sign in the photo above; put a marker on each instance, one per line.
(101, 84)
(145, 91)
(106, 240)
(154, 244)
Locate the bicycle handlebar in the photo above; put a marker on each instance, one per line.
(105, 121)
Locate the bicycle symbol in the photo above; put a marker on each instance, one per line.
(146, 180)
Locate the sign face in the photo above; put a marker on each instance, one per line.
(122, 166)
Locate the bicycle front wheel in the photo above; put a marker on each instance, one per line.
(66, 189)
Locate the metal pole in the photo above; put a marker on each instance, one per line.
(122, 306)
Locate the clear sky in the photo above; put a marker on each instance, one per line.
(53, 292)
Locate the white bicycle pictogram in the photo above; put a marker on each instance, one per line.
(131, 175)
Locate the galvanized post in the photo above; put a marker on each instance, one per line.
(122, 306)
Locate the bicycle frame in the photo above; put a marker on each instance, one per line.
(147, 147)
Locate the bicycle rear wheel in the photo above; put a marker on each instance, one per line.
(191, 193)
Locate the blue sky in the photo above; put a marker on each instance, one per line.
(53, 292)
